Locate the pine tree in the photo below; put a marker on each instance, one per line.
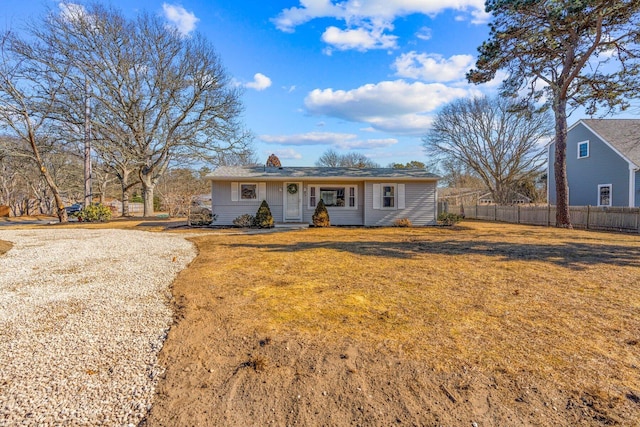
(264, 219)
(321, 215)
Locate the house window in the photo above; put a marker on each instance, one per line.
(312, 197)
(604, 195)
(388, 196)
(333, 196)
(583, 149)
(248, 191)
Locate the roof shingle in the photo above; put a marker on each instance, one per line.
(623, 134)
(226, 173)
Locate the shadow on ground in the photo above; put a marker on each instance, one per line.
(566, 254)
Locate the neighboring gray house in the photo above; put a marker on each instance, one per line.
(603, 163)
(353, 196)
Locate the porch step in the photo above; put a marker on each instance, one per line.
(291, 225)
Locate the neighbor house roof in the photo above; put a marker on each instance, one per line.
(233, 173)
(621, 134)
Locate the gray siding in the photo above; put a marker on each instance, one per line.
(420, 205)
(337, 216)
(226, 210)
(603, 166)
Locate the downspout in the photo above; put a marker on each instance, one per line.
(632, 185)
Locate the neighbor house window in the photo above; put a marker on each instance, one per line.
(333, 196)
(248, 191)
(583, 149)
(604, 195)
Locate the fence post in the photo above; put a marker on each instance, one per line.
(518, 220)
(495, 212)
(588, 214)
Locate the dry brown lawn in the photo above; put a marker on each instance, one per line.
(491, 323)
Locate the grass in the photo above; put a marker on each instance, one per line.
(561, 305)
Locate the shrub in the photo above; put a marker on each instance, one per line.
(402, 222)
(321, 215)
(447, 218)
(244, 221)
(94, 213)
(263, 218)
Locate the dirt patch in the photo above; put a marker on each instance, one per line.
(493, 324)
(5, 246)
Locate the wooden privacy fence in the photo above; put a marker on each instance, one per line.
(589, 217)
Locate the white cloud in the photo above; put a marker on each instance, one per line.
(287, 153)
(353, 11)
(480, 17)
(424, 33)
(344, 141)
(361, 39)
(366, 21)
(432, 67)
(290, 18)
(260, 82)
(184, 21)
(309, 138)
(72, 11)
(392, 106)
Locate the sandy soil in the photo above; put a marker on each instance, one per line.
(223, 372)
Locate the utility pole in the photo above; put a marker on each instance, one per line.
(87, 145)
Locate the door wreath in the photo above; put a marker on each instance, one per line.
(292, 188)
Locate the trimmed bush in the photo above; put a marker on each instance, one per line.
(94, 213)
(446, 218)
(244, 221)
(402, 222)
(321, 215)
(263, 219)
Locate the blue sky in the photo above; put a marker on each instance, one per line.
(354, 75)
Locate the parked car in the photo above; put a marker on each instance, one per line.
(74, 208)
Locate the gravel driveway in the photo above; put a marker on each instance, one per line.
(83, 314)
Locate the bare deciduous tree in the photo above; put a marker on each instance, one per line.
(31, 81)
(332, 159)
(169, 92)
(497, 139)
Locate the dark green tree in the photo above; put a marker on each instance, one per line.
(413, 164)
(321, 215)
(264, 219)
(567, 52)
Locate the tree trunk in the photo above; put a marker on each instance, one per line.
(88, 196)
(560, 164)
(148, 186)
(125, 200)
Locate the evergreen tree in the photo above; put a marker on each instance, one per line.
(264, 219)
(321, 215)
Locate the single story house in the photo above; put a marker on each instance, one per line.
(603, 163)
(353, 196)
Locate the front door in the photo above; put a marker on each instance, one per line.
(292, 201)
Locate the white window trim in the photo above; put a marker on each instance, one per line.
(236, 193)
(588, 149)
(346, 196)
(399, 196)
(610, 194)
(395, 197)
